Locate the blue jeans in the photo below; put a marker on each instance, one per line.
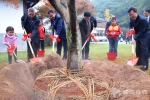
(113, 45)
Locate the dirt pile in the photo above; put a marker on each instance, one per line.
(17, 80)
(126, 82)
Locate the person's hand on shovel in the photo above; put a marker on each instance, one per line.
(29, 39)
(133, 42)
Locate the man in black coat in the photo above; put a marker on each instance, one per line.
(147, 16)
(30, 23)
(86, 26)
(142, 35)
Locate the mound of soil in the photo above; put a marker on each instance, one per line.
(17, 81)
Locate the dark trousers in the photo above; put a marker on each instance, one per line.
(127, 40)
(35, 47)
(63, 43)
(85, 51)
(113, 45)
(149, 49)
(10, 57)
(142, 53)
(41, 45)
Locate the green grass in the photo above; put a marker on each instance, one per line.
(98, 51)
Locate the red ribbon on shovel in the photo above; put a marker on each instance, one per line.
(131, 32)
(11, 50)
(52, 37)
(25, 36)
(93, 37)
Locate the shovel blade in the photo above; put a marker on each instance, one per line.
(33, 60)
(21, 61)
(132, 62)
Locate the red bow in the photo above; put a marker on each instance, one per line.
(11, 50)
(93, 37)
(131, 32)
(51, 37)
(128, 35)
(25, 36)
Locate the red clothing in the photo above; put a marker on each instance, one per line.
(113, 28)
(127, 35)
(41, 32)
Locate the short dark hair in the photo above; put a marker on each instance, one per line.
(147, 10)
(9, 28)
(87, 14)
(132, 8)
(50, 11)
(113, 18)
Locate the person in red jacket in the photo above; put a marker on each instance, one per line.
(113, 32)
(41, 30)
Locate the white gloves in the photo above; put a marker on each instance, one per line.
(56, 36)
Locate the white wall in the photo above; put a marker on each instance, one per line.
(10, 17)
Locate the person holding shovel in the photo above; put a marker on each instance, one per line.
(59, 30)
(11, 41)
(30, 24)
(86, 26)
(113, 32)
(142, 35)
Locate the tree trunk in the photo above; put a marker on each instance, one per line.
(74, 60)
(66, 8)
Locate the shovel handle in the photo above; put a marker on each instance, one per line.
(53, 43)
(132, 45)
(53, 46)
(84, 44)
(31, 48)
(30, 45)
(15, 55)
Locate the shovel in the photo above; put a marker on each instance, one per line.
(18, 60)
(34, 59)
(91, 35)
(133, 60)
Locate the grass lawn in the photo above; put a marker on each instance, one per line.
(98, 51)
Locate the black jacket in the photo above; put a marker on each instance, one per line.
(83, 28)
(34, 26)
(142, 29)
(93, 20)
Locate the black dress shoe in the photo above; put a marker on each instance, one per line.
(64, 58)
(27, 61)
(144, 68)
(87, 58)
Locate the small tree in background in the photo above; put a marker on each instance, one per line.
(107, 15)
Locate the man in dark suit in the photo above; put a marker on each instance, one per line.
(59, 27)
(30, 23)
(147, 16)
(86, 26)
(142, 35)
